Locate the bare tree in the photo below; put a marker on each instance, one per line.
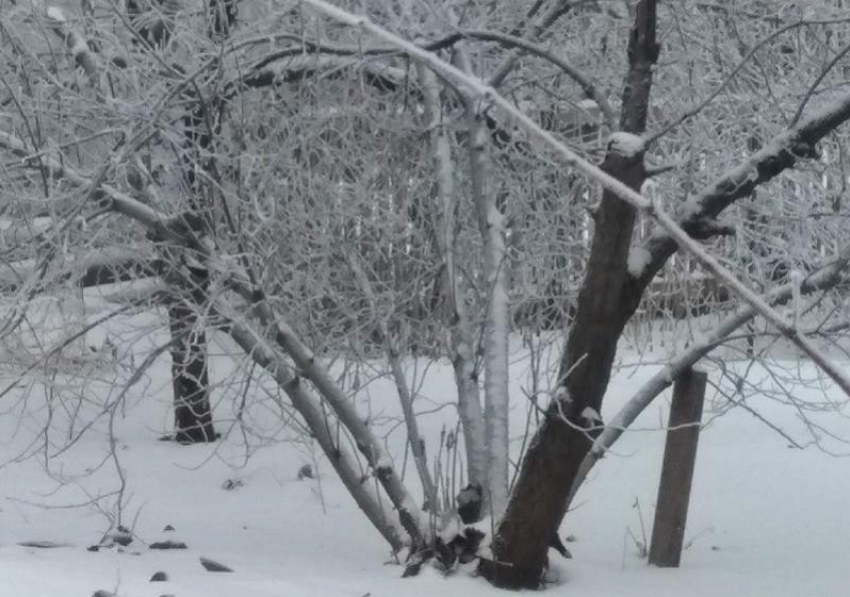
(313, 190)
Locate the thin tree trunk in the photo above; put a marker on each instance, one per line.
(190, 377)
(538, 503)
(491, 224)
(193, 421)
(414, 438)
(462, 339)
(192, 408)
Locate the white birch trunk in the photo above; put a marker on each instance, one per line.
(462, 337)
(491, 222)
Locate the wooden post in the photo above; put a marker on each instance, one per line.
(677, 472)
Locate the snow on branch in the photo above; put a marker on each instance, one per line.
(409, 513)
(290, 69)
(77, 44)
(773, 159)
(781, 153)
(823, 279)
(626, 144)
(639, 259)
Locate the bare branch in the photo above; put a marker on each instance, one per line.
(779, 155)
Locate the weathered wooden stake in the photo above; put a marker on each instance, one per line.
(677, 472)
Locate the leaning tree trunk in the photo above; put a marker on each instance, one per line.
(606, 301)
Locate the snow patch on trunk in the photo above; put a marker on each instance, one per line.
(591, 415)
(639, 259)
(625, 144)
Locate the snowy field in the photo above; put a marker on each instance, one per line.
(766, 519)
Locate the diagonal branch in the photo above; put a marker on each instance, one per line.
(343, 461)
(558, 10)
(779, 155)
(588, 86)
(307, 362)
(821, 280)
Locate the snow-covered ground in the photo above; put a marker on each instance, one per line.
(765, 519)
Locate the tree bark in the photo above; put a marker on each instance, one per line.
(190, 377)
(462, 338)
(605, 303)
(343, 460)
(192, 408)
(491, 224)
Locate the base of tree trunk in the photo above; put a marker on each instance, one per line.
(195, 436)
(535, 511)
(507, 576)
(193, 422)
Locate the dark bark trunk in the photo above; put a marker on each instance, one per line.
(190, 284)
(605, 303)
(190, 379)
(607, 300)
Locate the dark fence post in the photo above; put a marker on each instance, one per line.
(680, 452)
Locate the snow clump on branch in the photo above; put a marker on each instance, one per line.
(625, 144)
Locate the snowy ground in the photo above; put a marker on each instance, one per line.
(765, 519)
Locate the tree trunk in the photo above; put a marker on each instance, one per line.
(190, 378)
(491, 224)
(538, 503)
(605, 303)
(462, 338)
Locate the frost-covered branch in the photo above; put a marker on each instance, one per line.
(781, 153)
(308, 406)
(558, 9)
(821, 280)
(690, 113)
(307, 362)
(79, 47)
(588, 86)
(776, 157)
(414, 438)
(310, 367)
